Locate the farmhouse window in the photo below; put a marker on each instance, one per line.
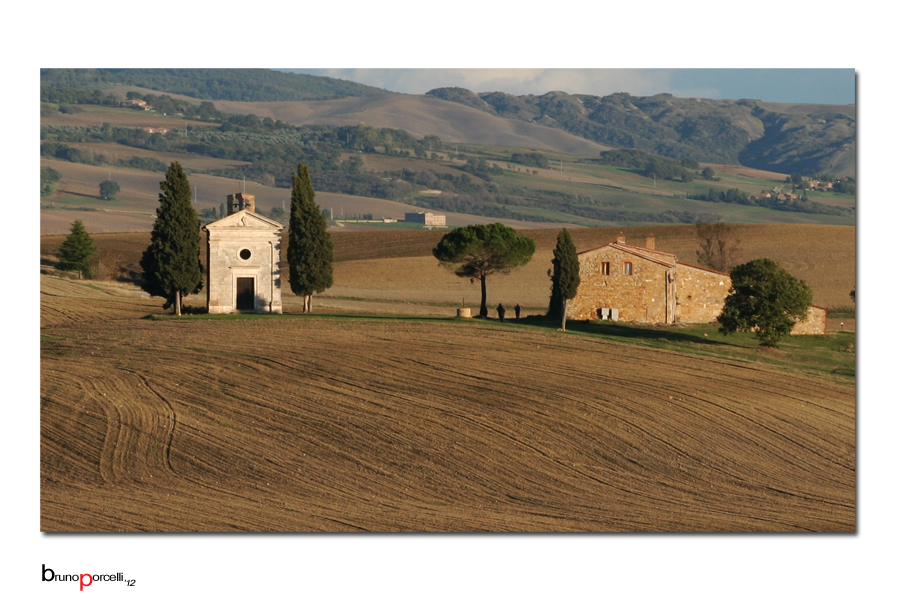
(626, 268)
(245, 254)
(604, 268)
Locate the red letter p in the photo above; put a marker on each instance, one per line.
(83, 584)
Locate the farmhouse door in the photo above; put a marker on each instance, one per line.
(245, 294)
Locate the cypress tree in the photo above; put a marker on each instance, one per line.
(566, 276)
(77, 252)
(171, 263)
(310, 249)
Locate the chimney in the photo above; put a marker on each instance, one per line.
(651, 242)
(621, 237)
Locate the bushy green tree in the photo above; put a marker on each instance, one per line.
(77, 251)
(764, 298)
(276, 213)
(310, 249)
(171, 263)
(109, 189)
(480, 250)
(566, 276)
(49, 180)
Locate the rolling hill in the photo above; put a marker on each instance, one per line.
(385, 154)
(771, 136)
(219, 84)
(421, 116)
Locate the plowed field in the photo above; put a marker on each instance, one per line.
(333, 424)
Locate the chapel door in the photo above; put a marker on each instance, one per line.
(245, 293)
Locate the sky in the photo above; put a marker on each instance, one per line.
(835, 86)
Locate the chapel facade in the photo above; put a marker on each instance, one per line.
(244, 253)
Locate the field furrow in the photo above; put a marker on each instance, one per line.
(331, 424)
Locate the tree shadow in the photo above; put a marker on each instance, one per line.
(629, 331)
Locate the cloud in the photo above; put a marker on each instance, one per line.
(512, 81)
(782, 85)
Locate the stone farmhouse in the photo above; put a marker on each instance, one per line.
(426, 218)
(244, 253)
(640, 284)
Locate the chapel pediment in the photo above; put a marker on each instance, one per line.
(245, 219)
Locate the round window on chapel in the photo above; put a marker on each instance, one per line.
(245, 254)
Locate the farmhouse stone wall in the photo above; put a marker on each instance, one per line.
(659, 289)
(700, 294)
(426, 218)
(244, 245)
(644, 296)
(814, 324)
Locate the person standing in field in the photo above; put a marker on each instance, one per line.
(518, 310)
(501, 312)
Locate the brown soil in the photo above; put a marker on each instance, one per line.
(397, 265)
(297, 423)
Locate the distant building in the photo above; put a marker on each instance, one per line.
(426, 218)
(625, 282)
(244, 252)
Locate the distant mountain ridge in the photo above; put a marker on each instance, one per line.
(215, 84)
(769, 136)
(779, 137)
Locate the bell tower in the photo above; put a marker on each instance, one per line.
(240, 201)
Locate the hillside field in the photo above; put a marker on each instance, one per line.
(571, 187)
(134, 209)
(291, 423)
(397, 266)
(384, 413)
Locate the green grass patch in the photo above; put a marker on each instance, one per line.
(68, 202)
(399, 225)
(289, 316)
(842, 312)
(832, 355)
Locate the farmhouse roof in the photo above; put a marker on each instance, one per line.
(244, 219)
(653, 255)
(703, 268)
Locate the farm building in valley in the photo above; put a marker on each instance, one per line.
(625, 282)
(426, 218)
(244, 252)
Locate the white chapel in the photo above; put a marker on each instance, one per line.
(244, 253)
